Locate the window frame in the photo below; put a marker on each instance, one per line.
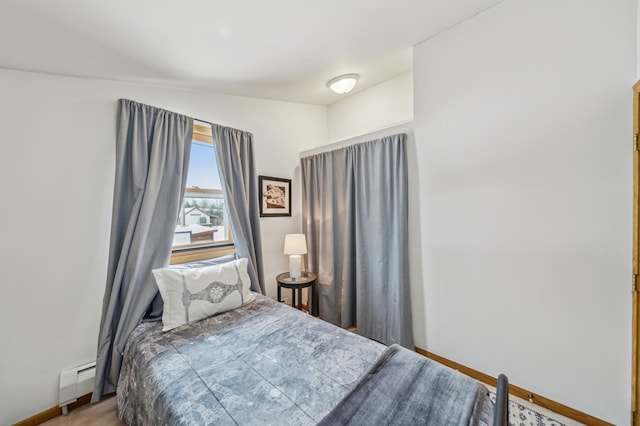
(206, 250)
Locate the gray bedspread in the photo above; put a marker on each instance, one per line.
(268, 364)
(404, 388)
(264, 363)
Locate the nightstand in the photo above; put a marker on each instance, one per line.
(307, 280)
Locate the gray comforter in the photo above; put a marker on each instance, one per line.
(404, 388)
(266, 363)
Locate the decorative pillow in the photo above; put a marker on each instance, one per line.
(192, 294)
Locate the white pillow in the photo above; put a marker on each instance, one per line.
(192, 294)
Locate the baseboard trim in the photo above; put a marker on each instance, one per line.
(540, 400)
(53, 412)
(519, 392)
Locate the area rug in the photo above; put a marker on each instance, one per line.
(519, 415)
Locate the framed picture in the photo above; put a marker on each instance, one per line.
(275, 196)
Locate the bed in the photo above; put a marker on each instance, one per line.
(267, 363)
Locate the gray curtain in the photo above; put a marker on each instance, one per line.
(355, 216)
(152, 158)
(236, 163)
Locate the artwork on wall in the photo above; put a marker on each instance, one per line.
(275, 196)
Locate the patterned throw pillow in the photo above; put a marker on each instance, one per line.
(193, 294)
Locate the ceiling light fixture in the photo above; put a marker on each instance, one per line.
(343, 83)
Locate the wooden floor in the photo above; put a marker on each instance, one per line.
(102, 413)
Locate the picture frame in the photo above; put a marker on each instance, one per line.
(275, 196)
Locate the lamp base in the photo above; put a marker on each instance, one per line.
(295, 266)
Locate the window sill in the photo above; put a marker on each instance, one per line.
(201, 254)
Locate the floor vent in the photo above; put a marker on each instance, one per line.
(75, 383)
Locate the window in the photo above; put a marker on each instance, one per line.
(203, 230)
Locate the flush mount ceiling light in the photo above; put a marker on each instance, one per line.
(343, 83)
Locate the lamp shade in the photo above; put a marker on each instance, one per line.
(295, 244)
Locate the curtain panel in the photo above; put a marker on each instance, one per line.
(355, 216)
(236, 163)
(152, 159)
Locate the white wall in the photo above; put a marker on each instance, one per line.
(57, 138)
(388, 104)
(524, 178)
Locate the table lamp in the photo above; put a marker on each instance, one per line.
(295, 245)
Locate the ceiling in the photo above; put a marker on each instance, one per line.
(274, 49)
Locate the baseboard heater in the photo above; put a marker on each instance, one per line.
(75, 383)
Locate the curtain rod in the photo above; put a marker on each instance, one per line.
(402, 127)
(185, 115)
(203, 121)
(222, 126)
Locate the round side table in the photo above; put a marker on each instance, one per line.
(306, 280)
